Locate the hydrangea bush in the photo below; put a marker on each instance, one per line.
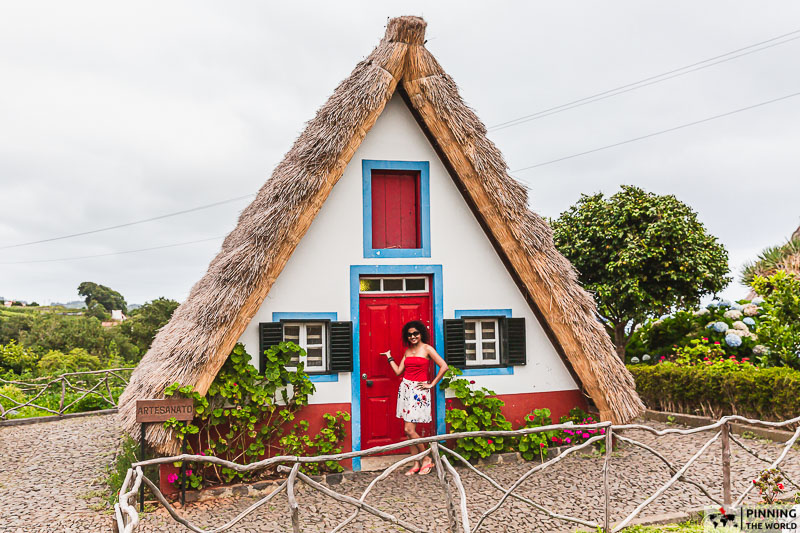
(732, 331)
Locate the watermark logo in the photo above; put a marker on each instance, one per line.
(748, 518)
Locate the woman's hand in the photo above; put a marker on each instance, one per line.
(387, 353)
(427, 385)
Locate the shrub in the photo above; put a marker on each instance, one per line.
(76, 360)
(722, 388)
(481, 412)
(535, 444)
(17, 358)
(245, 415)
(780, 328)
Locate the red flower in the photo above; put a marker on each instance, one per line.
(542, 445)
(745, 358)
(754, 482)
(472, 382)
(449, 402)
(490, 441)
(722, 510)
(780, 486)
(716, 342)
(531, 417)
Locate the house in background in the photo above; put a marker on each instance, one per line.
(393, 205)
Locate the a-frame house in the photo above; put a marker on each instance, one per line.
(392, 205)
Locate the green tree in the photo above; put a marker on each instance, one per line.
(145, 322)
(640, 255)
(17, 358)
(105, 296)
(76, 360)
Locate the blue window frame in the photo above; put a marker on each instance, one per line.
(491, 371)
(423, 167)
(281, 316)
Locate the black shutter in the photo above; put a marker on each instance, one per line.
(269, 334)
(341, 350)
(515, 328)
(454, 352)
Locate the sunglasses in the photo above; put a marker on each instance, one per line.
(413, 334)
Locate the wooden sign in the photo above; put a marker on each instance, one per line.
(163, 410)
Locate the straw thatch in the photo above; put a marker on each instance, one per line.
(192, 347)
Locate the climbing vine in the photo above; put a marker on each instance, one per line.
(246, 416)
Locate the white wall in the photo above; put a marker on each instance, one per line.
(317, 276)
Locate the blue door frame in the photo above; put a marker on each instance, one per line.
(356, 271)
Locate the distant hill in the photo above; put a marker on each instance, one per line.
(131, 307)
(77, 304)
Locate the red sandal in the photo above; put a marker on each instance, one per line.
(413, 471)
(426, 469)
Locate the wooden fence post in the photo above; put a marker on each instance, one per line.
(63, 394)
(726, 465)
(442, 475)
(606, 491)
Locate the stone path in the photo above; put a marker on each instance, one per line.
(48, 470)
(52, 473)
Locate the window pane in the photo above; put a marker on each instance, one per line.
(367, 285)
(415, 284)
(470, 352)
(294, 360)
(469, 331)
(489, 352)
(313, 334)
(314, 359)
(291, 334)
(393, 284)
(488, 330)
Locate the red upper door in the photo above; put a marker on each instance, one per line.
(381, 321)
(395, 209)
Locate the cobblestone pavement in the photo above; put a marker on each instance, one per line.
(48, 470)
(51, 474)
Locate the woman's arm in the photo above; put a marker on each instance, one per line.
(398, 369)
(442, 368)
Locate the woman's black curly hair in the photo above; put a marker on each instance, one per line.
(420, 327)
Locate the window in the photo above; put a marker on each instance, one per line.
(481, 342)
(396, 208)
(389, 285)
(328, 343)
(488, 338)
(311, 337)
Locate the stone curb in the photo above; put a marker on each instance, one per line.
(54, 418)
(775, 435)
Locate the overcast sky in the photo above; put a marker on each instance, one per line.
(112, 113)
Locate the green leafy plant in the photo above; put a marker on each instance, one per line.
(770, 485)
(246, 415)
(536, 444)
(474, 410)
(780, 328)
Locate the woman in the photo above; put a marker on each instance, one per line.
(414, 395)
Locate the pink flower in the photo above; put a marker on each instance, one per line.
(188, 472)
(745, 358)
(569, 432)
(200, 453)
(705, 339)
(716, 342)
(568, 440)
(602, 431)
(585, 435)
(172, 478)
(472, 382)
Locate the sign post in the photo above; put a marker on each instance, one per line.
(148, 411)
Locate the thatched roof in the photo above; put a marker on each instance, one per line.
(193, 346)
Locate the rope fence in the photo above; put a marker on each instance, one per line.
(456, 500)
(96, 383)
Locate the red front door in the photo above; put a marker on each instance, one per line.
(381, 322)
